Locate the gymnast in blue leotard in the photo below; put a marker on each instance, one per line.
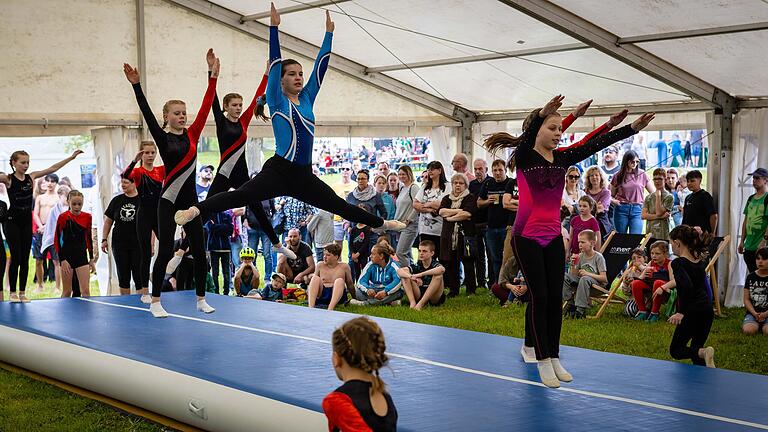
(289, 171)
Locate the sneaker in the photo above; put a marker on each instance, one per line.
(14, 298)
(182, 217)
(281, 248)
(709, 357)
(641, 316)
(528, 353)
(653, 317)
(146, 298)
(356, 302)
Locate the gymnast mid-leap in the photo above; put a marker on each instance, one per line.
(289, 171)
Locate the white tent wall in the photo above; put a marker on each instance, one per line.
(445, 144)
(750, 142)
(114, 147)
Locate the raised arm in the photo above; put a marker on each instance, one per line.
(218, 113)
(577, 112)
(196, 128)
(132, 74)
(55, 167)
(321, 63)
(275, 96)
(247, 115)
(575, 154)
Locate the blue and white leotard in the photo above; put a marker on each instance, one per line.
(294, 125)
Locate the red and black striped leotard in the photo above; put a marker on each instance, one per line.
(348, 409)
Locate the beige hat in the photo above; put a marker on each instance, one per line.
(280, 276)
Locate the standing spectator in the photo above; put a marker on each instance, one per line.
(297, 270)
(360, 243)
(754, 228)
(297, 214)
(220, 229)
(756, 296)
(595, 188)
(687, 151)
(365, 193)
(382, 169)
(661, 151)
(460, 163)
(610, 166)
(482, 272)
(43, 205)
(491, 198)
(671, 186)
(50, 228)
(380, 184)
(571, 194)
(393, 186)
(121, 214)
(639, 147)
(699, 209)
(627, 191)
(204, 179)
(257, 235)
(697, 138)
(320, 227)
(342, 189)
(657, 207)
(427, 203)
(405, 213)
(678, 156)
(457, 233)
(238, 239)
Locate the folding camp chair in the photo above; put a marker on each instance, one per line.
(716, 249)
(617, 250)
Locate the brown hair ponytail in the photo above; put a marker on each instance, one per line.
(502, 140)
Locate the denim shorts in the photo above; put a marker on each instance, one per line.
(749, 318)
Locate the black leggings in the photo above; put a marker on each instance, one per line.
(223, 184)
(452, 279)
(542, 268)
(695, 328)
(281, 177)
(127, 262)
(18, 232)
(224, 258)
(146, 224)
(166, 230)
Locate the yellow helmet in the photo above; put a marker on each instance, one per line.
(247, 252)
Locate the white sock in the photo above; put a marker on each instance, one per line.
(560, 371)
(203, 306)
(157, 310)
(547, 374)
(528, 353)
(146, 298)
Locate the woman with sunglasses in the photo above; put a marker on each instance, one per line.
(571, 194)
(627, 192)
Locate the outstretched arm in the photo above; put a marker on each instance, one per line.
(55, 167)
(132, 74)
(218, 113)
(275, 97)
(202, 115)
(312, 88)
(576, 154)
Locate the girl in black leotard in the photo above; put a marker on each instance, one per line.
(18, 225)
(232, 132)
(178, 148)
(148, 179)
(74, 248)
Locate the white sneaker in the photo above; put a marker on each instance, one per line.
(203, 306)
(356, 302)
(528, 353)
(393, 225)
(547, 374)
(146, 298)
(560, 371)
(709, 356)
(182, 217)
(157, 310)
(285, 251)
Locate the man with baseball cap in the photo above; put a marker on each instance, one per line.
(610, 164)
(754, 228)
(204, 179)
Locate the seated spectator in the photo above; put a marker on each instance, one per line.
(360, 236)
(423, 280)
(457, 245)
(650, 281)
(379, 284)
(327, 286)
(756, 296)
(273, 291)
(510, 287)
(247, 276)
(587, 268)
(384, 241)
(636, 267)
(298, 270)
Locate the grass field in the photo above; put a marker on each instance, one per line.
(26, 404)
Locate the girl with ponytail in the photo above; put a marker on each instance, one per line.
(362, 402)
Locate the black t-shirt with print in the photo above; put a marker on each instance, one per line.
(758, 291)
(699, 206)
(122, 211)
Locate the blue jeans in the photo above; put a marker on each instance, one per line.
(235, 246)
(627, 216)
(270, 258)
(494, 241)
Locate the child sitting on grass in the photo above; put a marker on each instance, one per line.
(510, 287)
(587, 268)
(423, 280)
(379, 284)
(654, 276)
(362, 402)
(756, 296)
